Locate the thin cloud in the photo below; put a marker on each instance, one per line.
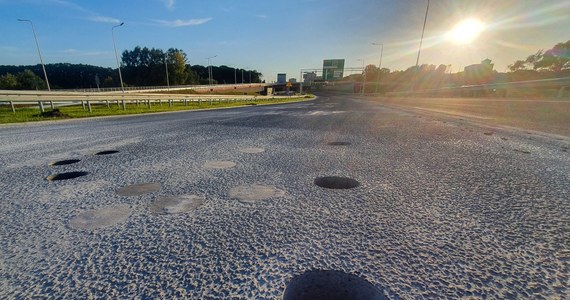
(103, 19)
(262, 16)
(169, 4)
(94, 17)
(69, 51)
(71, 4)
(182, 23)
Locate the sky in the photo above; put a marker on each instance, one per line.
(281, 36)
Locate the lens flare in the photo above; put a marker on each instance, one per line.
(466, 31)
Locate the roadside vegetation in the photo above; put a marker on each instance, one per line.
(142, 66)
(544, 64)
(30, 114)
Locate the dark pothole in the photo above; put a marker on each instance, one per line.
(338, 143)
(335, 182)
(330, 285)
(107, 152)
(66, 176)
(65, 162)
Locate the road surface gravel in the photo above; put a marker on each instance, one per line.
(445, 206)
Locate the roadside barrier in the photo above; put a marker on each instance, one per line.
(87, 99)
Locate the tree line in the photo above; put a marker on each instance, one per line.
(139, 67)
(147, 67)
(545, 64)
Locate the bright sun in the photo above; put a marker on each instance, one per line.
(466, 31)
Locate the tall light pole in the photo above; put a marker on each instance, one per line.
(422, 38)
(39, 53)
(166, 66)
(117, 58)
(210, 69)
(363, 76)
(241, 76)
(235, 75)
(380, 63)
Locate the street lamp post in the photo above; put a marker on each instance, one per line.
(117, 56)
(235, 75)
(422, 38)
(380, 63)
(363, 77)
(210, 69)
(301, 82)
(39, 53)
(118, 65)
(166, 66)
(241, 76)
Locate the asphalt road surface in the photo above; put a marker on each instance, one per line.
(223, 204)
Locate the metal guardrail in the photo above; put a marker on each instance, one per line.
(131, 89)
(121, 99)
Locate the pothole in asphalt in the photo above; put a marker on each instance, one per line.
(251, 150)
(107, 152)
(99, 218)
(255, 192)
(338, 143)
(65, 162)
(219, 164)
(66, 176)
(138, 189)
(175, 204)
(335, 182)
(330, 285)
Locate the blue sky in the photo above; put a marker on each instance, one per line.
(274, 36)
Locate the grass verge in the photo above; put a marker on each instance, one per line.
(31, 114)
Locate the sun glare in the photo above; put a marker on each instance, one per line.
(466, 31)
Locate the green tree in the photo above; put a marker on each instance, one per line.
(108, 82)
(178, 74)
(193, 77)
(528, 64)
(555, 59)
(371, 73)
(9, 82)
(27, 80)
